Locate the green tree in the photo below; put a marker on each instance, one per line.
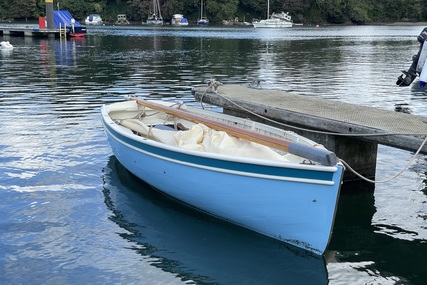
(221, 9)
(23, 9)
(139, 9)
(297, 8)
(81, 8)
(333, 9)
(358, 11)
(4, 9)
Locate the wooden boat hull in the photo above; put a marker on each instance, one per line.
(292, 203)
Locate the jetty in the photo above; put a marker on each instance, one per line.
(353, 132)
(31, 31)
(56, 24)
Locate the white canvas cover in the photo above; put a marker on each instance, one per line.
(202, 138)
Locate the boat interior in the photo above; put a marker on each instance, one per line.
(174, 131)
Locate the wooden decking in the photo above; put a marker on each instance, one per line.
(408, 131)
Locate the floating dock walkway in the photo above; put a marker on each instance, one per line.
(353, 132)
(19, 31)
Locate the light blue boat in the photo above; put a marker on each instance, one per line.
(279, 194)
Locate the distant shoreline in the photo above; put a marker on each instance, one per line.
(399, 23)
(409, 24)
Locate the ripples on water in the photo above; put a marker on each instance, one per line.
(73, 215)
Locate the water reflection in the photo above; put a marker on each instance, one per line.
(6, 52)
(51, 139)
(167, 62)
(66, 51)
(199, 247)
(371, 253)
(322, 62)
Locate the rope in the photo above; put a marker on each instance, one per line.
(391, 178)
(213, 84)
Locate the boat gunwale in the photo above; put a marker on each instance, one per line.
(256, 162)
(239, 159)
(243, 123)
(235, 172)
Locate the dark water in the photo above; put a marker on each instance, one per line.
(72, 215)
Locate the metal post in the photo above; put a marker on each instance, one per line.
(49, 14)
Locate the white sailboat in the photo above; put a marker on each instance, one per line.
(202, 20)
(276, 20)
(155, 19)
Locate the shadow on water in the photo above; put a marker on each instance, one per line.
(198, 247)
(357, 241)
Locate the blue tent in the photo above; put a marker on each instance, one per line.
(63, 18)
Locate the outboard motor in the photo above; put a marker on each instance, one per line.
(415, 68)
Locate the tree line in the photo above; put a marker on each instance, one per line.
(304, 11)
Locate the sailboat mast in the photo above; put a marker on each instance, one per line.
(268, 9)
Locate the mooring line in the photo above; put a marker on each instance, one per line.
(391, 178)
(213, 84)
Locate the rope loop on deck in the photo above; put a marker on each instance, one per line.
(212, 86)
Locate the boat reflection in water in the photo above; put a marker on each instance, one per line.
(198, 247)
